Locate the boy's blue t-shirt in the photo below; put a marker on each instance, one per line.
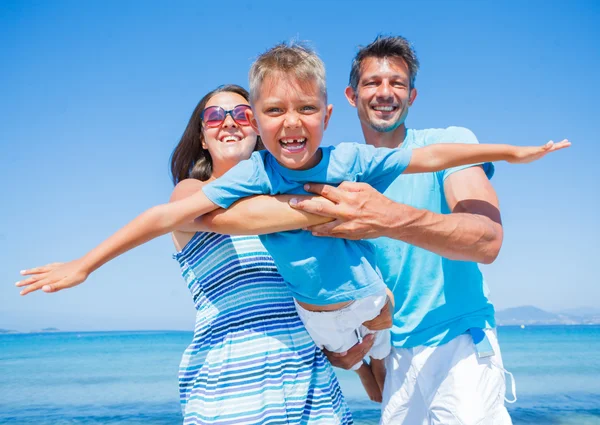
(437, 299)
(318, 270)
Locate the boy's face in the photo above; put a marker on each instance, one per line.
(290, 116)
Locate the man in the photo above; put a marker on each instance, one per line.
(431, 230)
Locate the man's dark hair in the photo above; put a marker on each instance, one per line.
(386, 47)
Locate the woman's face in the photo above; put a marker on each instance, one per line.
(229, 142)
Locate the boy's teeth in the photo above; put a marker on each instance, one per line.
(384, 108)
(293, 145)
(286, 141)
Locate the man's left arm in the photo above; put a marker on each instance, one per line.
(472, 232)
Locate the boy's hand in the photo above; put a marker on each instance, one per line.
(53, 277)
(354, 355)
(526, 154)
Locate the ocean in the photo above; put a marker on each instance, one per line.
(131, 377)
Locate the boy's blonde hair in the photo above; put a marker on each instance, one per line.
(293, 59)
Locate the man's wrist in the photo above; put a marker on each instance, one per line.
(402, 220)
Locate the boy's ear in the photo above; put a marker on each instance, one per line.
(252, 120)
(327, 116)
(350, 95)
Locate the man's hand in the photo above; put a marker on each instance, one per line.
(358, 209)
(354, 355)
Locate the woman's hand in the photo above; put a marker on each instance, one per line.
(53, 277)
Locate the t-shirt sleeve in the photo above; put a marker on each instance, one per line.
(462, 135)
(380, 166)
(247, 178)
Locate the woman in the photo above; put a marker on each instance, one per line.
(251, 360)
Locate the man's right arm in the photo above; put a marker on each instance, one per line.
(473, 232)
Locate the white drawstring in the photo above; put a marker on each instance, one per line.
(358, 335)
(513, 384)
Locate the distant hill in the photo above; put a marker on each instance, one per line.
(530, 315)
(581, 311)
(7, 331)
(44, 330)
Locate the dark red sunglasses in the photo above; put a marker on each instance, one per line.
(213, 116)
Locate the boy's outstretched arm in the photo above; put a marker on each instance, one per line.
(150, 224)
(447, 155)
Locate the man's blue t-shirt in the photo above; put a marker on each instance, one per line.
(318, 270)
(436, 298)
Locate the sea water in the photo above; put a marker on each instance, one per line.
(131, 377)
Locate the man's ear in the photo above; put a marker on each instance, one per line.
(350, 95)
(412, 96)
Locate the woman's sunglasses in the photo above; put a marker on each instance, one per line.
(213, 116)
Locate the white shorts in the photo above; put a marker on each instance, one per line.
(448, 384)
(339, 330)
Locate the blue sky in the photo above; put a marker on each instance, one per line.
(95, 95)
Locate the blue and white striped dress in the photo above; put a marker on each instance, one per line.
(251, 360)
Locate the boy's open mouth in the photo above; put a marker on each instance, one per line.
(293, 145)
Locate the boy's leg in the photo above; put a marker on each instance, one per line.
(379, 351)
(339, 330)
(369, 382)
(382, 344)
(378, 369)
(326, 329)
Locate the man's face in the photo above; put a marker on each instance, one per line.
(383, 95)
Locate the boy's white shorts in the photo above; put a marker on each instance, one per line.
(339, 330)
(445, 385)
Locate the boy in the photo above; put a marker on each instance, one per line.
(335, 282)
